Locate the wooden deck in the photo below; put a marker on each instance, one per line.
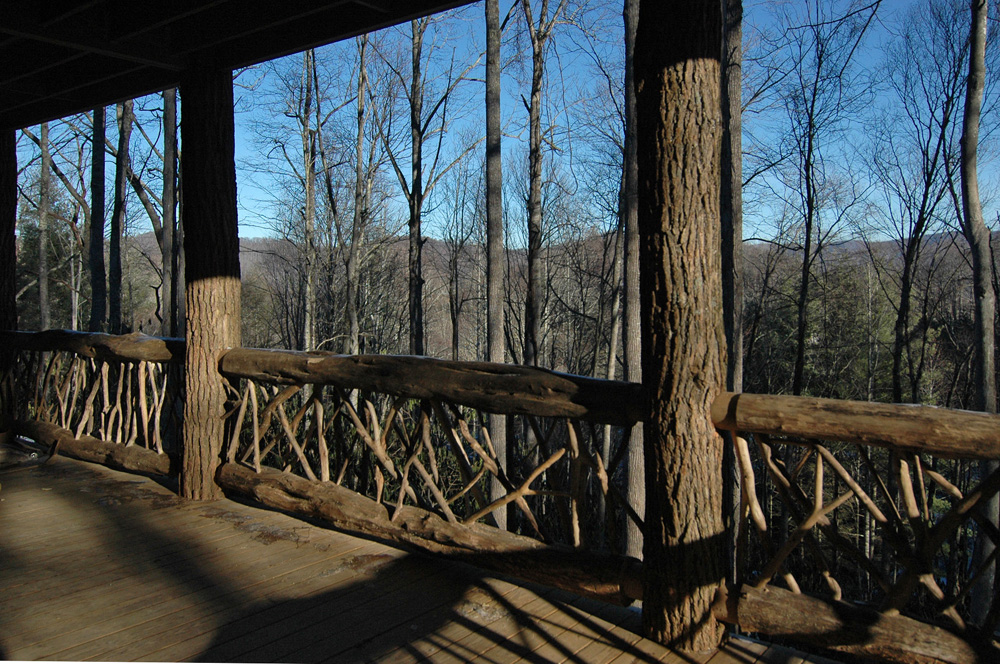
(101, 565)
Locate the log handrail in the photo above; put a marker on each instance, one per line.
(902, 427)
(505, 388)
(133, 347)
(489, 387)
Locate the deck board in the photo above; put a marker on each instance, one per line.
(101, 565)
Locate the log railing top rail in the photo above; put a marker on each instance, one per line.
(490, 387)
(505, 388)
(903, 427)
(133, 347)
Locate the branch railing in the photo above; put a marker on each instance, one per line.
(862, 507)
(879, 504)
(100, 397)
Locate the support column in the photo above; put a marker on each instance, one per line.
(8, 265)
(8, 223)
(677, 52)
(212, 271)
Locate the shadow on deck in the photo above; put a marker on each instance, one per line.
(97, 564)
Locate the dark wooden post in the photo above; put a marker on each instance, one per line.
(8, 263)
(677, 52)
(212, 270)
(8, 222)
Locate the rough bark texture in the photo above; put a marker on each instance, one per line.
(494, 236)
(8, 224)
(87, 448)
(493, 388)
(44, 202)
(978, 237)
(211, 245)
(168, 255)
(118, 218)
(847, 628)
(677, 51)
(98, 285)
(135, 347)
(732, 250)
(903, 428)
(416, 197)
(632, 325)
(609, 578)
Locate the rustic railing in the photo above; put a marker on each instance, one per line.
(862, 509)
(408, 437)
(856, 517)
(111, 399)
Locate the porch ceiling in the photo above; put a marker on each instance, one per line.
(66, 56)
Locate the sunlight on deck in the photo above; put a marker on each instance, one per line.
(97, 564)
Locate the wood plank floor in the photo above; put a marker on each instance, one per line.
(101, 565)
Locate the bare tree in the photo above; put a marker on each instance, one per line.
(540, 33)
(124, 111)
(98, 285)
(495, 322)
(44, 203)
(978, 237)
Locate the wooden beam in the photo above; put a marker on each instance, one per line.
(490, 387)
(939, 431)
(212, 270)
(8, 225)
(609, 578)
(847, 628)
(135, 347)
(130, 458)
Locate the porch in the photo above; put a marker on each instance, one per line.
(104, 565)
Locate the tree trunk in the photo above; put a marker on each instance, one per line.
(416, 198)
(978, 236)
(168, 258)
(731, 208)
(494, 239)
(360, 213)
(98, 285)
(211, 244)
(118, 218)
(308, 136)
(8, 226)
(678, 76)
(632, 327)
(44, 201)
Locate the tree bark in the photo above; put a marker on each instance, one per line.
(168, 257)
(632, 324)
(678, 77)
(847, 628)
(8, 227)
(978, 236)
(416, 198)
(731, 202)
(98, 285)
(118, 218)
(44, 202)
(211, 244)
(360, 205)
(599, 576)
(495, 313)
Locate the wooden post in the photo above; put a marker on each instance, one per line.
(8, 263)
(677, 68)
(8, 222)
(212, 271)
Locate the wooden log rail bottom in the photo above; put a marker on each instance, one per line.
(87, 448)
(612, 579)
(847, 628)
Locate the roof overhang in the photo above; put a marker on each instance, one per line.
(67, 56)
